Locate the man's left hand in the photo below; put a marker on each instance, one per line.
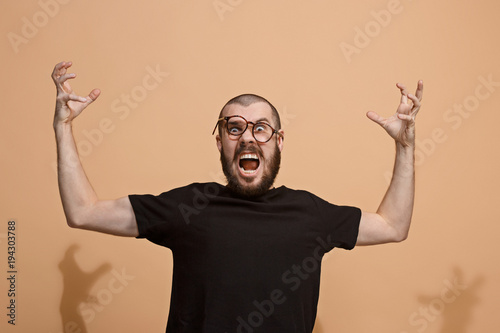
(401, 125)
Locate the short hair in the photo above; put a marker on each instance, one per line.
(248, 99)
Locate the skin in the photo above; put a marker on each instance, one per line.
(83, 209)
(80, 203)
(232, 147)
(391, 221)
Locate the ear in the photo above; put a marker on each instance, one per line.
(218, 142)
(281, 138)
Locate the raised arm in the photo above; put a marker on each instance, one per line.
(80, 203)
(391, 222)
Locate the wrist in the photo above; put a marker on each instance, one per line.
(405, 145)
(405, 153)
(61, 127)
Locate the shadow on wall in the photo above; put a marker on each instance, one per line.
(453, 306)
(76, 287)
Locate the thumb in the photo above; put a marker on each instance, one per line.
(372, 115)
(94, 94)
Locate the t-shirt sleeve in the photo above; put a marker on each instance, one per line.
(341, 223)
(157, 217)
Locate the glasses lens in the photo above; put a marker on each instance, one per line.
(262, 132)
(236, 125)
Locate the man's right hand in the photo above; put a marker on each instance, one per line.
(68, 104)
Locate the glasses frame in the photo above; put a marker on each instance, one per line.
(248, 122)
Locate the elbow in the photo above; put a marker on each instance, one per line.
(400, 236)
(76, 222)
(78, 217)
(73, 223)
(400, 229)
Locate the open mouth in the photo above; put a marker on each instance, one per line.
(249, 163)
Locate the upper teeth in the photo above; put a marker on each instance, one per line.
(249, 156)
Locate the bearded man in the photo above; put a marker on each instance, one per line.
(247, 256)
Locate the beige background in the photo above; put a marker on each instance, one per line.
(310, 59)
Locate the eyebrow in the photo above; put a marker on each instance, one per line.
(264, 119)
(260, 120)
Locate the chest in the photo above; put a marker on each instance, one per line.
(250, 237)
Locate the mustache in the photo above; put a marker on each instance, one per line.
(249, 149)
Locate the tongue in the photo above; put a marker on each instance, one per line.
(249, 164)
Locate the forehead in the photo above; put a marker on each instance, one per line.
(254, 112)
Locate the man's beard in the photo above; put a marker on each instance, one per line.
(250, 190)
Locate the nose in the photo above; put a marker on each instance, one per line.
(247, 136)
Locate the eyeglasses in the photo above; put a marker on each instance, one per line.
(237, 125)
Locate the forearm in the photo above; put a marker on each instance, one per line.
(396, 207)
(77, 194)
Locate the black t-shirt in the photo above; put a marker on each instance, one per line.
(244, 265)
